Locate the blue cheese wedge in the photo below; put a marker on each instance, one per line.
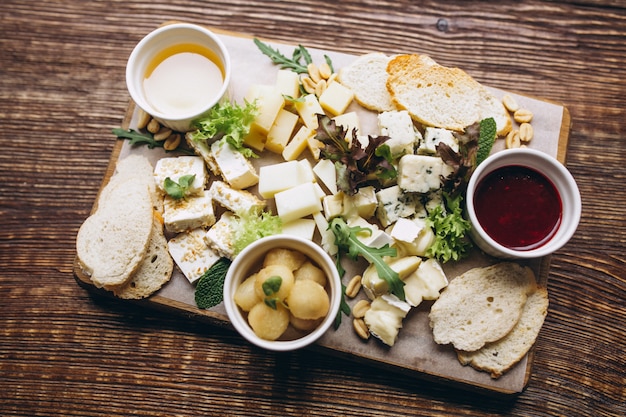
(191, 254)
(220, 236)
(188, 213)
(421, 173)
(236, 170)
(176, 167)
(234, 200)
(398, 125)
(393, 204)
(434, 136)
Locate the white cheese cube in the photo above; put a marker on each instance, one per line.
(325, 171)
(306, 171)
(328, 237)
(298, 143)
(315, 146)
(308, 109)
(188, 213)
(304, 228)
(299, 201)
(393, 204)
(364, 202)
(280, 132)
(236, 170)
(421, 173)
(374, 285)
(219, 236)
(433, 136)
(255, 139)
(176, 167)
(269, 101)
(191, 254)
(288, 83)
(336, 98)
(398, 125)
(237, 201)
(333, 205)
(384, 318)
(282, 176)
(349, 121)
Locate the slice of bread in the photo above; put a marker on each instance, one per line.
(441, 96)
(367, 78)
(482, 305)
(154, 271)
(500, 356)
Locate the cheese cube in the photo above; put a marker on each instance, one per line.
(306, 171)
(364, 202)
(176, 167)
(191, 254)
(269, 101)
(255, 138)
(384, 318)
(398, 125)
(304, 228)
(299, 201)
(433, 136)
(219, 236)
(237, 201)
(393, 204)
(298, 143)
(412, 237)
(333, 205)
(282, 176)
(280, 132)
(421, 173)
(328, 237)
(233, 166)
(325, 171)
(188, 213)
(308, 109)
(288, 83)
(315, 147)
(336, 98)
(425, 283)
(349, 121)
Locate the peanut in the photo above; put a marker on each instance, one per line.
(354, 286)
(512, 140)
(320, 87)
(525, 132)
(308, 84)
(361, 328)
(523, 116)
(510, 103)
(325, 71)
(162, 134)
(172, 142)
(153, 126)
(314, 72)
(142, 118)
(360, 308)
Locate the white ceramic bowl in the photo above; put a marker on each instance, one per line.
(551, 169)
(249, 260)
(166, 37)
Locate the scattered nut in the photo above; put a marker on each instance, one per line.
(354, 286)
(332, 78)
(142, 118)
(314, 72)
(308, 84)
(162, 134)
(325, 71)
(172, 142)
(523, 116)
(361, 328)
(512, 140)
(360, 308)
(153, 126)
(525, 132)
(320, 87)
(510, 103)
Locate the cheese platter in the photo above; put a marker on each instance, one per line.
(414, 352)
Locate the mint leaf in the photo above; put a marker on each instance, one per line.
(178, 190)
(486, 138)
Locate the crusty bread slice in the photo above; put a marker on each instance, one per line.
(366, 76)
(499, 356)
(154, 271)
(440, 96)
(482, 305)
(112, 242)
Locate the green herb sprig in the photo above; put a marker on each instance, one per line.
(180, 189)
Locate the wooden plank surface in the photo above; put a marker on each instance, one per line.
(67, 352)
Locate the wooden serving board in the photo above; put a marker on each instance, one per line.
(415, 351)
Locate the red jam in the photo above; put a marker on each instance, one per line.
(518, 207)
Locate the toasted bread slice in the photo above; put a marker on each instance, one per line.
(500, 356)
(154, 271)
(441, 96)
(482, 305)
(367, 78)
(112, 242)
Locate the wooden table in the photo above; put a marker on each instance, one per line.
(64, 351)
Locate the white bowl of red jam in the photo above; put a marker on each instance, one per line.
(522, 204)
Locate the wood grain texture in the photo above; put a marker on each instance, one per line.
(66, 352)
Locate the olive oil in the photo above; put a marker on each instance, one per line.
(181, 79)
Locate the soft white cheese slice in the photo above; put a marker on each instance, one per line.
(233, 166)
(191, 254)
(237, 201)
(219, 237)
(188, 213)
(176, 167)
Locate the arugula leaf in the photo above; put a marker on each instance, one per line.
(180, 189)
(229, 122)
(138, 138)
(450, 228)
(354, 164)
(348, 243)
(278, 58)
